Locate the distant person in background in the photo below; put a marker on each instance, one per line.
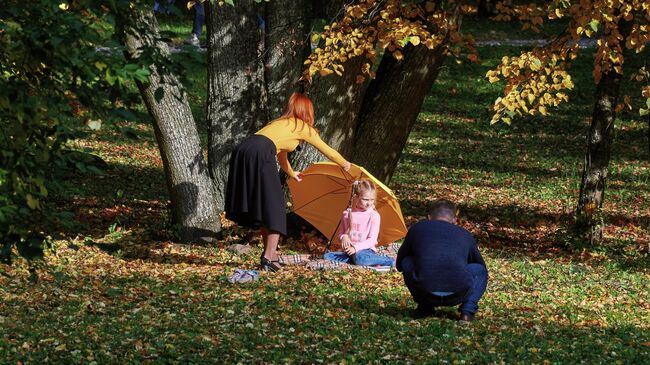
(163, 9)
(197, 27)
(441, 264)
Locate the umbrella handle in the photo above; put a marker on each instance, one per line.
(329, 243)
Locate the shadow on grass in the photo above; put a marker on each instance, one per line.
(128, 247)
(513, 229)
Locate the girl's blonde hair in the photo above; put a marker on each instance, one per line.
(359, 187)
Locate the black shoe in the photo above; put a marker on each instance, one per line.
(466, 317)
(268, 265)
(423, 311)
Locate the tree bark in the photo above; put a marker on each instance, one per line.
(190, 189)
(236, 105)
(287, 47)
(391, 106)
(589, 220)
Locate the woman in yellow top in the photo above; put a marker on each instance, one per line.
(254, 195)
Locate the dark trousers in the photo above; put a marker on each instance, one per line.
(199, 18)
(468, 299)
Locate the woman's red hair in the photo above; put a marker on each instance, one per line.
(300, 107)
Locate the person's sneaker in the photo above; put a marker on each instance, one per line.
(192, 40)
(466, 317)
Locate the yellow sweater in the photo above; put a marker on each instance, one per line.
(287, 133)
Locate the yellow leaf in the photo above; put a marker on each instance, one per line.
(531, 98)
(415, 40)
(64, 6)
(542, 110)
(398, 55)
(325, 71)
(493, 79)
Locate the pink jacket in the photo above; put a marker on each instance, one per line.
(365, 228)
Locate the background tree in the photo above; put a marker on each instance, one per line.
(395, 94)
(193, 202)
(537, 80)
(51, 75)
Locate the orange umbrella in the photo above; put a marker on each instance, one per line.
(324, 193)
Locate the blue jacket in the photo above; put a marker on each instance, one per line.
(440, 251)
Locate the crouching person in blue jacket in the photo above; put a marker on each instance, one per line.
(441, 264)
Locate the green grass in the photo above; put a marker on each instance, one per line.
(125, 293)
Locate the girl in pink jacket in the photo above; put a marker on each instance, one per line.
(359, 229)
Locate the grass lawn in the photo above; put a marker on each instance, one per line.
(119, 290)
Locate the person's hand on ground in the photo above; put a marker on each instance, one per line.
(347, 166)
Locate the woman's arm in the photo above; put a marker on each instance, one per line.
(284, 163)
(312, 137)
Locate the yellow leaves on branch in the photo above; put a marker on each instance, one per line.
(369, 25)
(536, 80)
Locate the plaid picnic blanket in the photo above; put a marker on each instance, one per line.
(318, 263)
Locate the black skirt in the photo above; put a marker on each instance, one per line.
(254, 196)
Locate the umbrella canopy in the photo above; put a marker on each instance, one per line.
(324, 193)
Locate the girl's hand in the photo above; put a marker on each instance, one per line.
(350, 250)
(347, 166)
(345, 241)
(298, 176)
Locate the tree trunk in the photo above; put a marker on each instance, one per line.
(236, 105)
(487, 8)
(190, 189)
(589, 221)
(391, 106)
(287, 47)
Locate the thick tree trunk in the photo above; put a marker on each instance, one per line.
(190, 188)
(391, 106)
(236, 105)
(287, 47)
(589, 221)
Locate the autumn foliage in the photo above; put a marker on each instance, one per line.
(371, 27)
(538, 79)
